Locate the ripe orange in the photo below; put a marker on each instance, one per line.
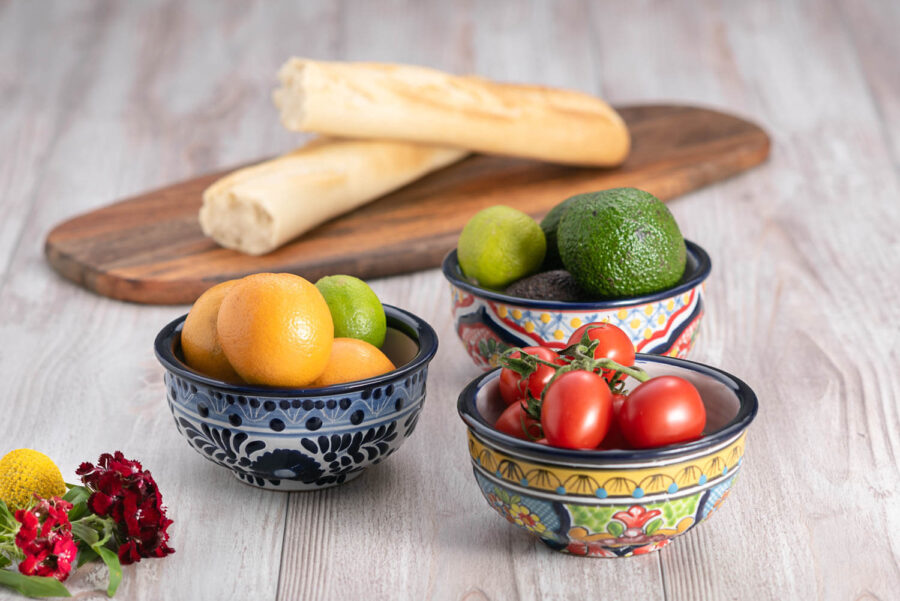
(276, 330)
(199, 339)
(352, 359)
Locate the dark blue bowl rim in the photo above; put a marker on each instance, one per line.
(427, 342)
(749, 405)
(451, 271)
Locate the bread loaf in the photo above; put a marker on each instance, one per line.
(402, 102)
(259, 208)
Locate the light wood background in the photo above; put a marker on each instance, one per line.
(105, 99)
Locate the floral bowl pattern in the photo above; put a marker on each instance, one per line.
(664, 323)
(301, 439)
(611, 503)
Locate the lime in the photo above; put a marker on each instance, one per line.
(500, 245)
(621, 242)
(355, 309)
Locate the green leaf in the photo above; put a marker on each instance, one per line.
(76, 494)
(85, 555)
(111, 559)
(85, 533)
(7, 520)
(653, 526)
(33, 586)
(615, 528)
(4, 561)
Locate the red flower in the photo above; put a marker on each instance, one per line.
(636, 516)
(123, 490)
(45, 538)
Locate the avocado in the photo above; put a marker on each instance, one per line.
(621, 242)
(549, 224)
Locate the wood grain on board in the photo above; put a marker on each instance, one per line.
(150, 248)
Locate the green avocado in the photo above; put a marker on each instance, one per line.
(549, 224)
(621, 242)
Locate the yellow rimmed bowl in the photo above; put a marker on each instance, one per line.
(611, 503)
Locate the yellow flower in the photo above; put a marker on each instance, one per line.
(24, 473)
(522, 516)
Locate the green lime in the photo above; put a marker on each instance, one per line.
(621, 242)
(355, 309)
(500, 245)
(549, 224)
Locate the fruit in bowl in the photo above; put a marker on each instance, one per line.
(615, 255)
(618, 502)
(301, 409)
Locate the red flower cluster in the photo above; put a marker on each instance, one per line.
(123, 490)
(45, 538)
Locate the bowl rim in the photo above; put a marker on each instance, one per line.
(749, 405)
(450, 268)
(410, 325)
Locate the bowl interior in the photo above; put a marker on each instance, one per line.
(730, 406)
(721, 404)
(696, 270)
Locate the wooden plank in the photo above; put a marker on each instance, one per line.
(872, 25)
(105, 94)
(792, 306)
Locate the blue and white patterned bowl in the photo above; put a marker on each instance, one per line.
(613, 503)
(301, 439)
(663, 323)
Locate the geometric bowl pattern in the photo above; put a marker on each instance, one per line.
(664, 323)
(607, 503)
(298, 439)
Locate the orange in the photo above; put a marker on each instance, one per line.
(276, 330)
(352, 359)
(199, 339)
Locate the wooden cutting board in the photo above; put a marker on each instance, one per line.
(149, 248)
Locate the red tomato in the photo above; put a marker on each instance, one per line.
(614, 438)
(614, 344)
(577, 410)
(512, 387)
(510, 422)
(662, 411)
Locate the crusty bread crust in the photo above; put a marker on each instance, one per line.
(403, 102)
(257, 209)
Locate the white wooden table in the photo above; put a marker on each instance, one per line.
(105, 99)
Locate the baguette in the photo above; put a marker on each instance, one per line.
(257, 209)
(402, 102)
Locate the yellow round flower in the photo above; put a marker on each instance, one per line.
(25, 473)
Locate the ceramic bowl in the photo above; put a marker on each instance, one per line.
(301, 439)
(664, 323)
(611, 503)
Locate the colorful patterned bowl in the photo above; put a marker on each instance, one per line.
(301, 439)
(611, 503)
(663, 323)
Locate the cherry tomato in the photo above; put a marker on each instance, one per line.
(614, 344)
(577, 410)
(614, 438)
(513, 387)
(661, 411)
(511, 420)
